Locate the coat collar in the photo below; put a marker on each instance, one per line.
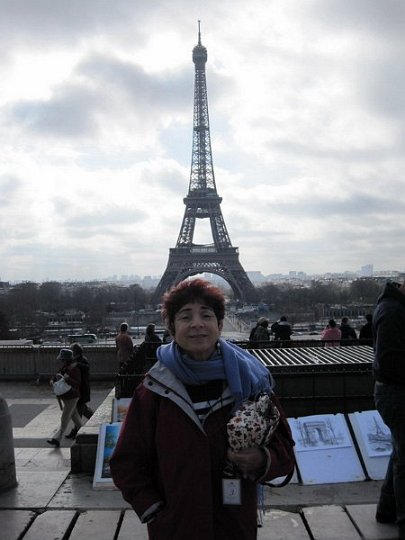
(163, 382)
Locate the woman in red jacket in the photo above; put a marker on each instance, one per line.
(172, 451)
(331, 334)
(71, 373)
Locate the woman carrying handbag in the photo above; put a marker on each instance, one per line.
(71, 375)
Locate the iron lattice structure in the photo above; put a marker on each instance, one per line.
(203, 202)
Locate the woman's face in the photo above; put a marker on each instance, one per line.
(196, 330)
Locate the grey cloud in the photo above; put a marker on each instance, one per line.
(383, 86)
(356, 205)
(35, 24)
(372, 16)
(69, 212)
(68, 114)
(105, 218)
(41, 22)
(311, 149)
(75, 110)
(161, 91)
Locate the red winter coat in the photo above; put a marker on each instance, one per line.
(74, 379)
(165, 455)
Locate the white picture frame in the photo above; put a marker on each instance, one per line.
(324, 450)
(374, 441)
(120, 409)
(320, 432)
(107, 440)
(375, 435)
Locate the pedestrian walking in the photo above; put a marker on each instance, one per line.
(82, 408)
(70, 372)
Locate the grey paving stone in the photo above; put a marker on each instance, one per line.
(51, 525)
(279, 525)
(35, 489)
(78, 492)
(22, 414)
(330, 523)
(132, 528)
(43, 459)
(363, 515)
(294, 496)
(14, 522)
(96, 525)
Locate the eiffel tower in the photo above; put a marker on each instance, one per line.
(203, 202)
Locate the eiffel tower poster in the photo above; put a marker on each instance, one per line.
(203, 202)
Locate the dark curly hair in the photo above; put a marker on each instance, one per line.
(190, 291)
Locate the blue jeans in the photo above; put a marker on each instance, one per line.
(390, 403)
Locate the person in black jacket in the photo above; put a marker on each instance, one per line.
(366, 331)
(389, 395)
(348, 332)
(82, 408)
(145, 353)
(282, 329)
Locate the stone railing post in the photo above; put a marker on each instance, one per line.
(8, 477)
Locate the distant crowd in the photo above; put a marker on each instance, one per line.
(333, 335)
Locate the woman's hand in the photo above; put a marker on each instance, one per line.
(250, 461)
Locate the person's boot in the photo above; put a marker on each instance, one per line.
(53, 442)
(72, 434)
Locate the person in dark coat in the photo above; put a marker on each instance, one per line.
(261, 332)
(125, 347)
(83, 364)
(145, 353)
(366, 331)
(171, 454)
(282, 329)
(389, 396)
(71, 373)
(348, 333)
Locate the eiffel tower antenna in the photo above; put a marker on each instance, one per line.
(203, 202)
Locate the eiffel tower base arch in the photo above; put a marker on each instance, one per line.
(184, 263)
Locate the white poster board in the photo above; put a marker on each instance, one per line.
(107, 440)
(324, 450)
(374, 440)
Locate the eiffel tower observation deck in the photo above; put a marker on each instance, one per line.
(203, 202)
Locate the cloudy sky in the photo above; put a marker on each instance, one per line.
(306, 102)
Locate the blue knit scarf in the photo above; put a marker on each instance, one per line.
(246, 376)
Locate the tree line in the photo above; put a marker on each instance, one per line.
(28, 304)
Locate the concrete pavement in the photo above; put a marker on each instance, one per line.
(52, 503)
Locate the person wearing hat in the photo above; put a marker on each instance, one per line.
(71, 373)
(261, 333)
